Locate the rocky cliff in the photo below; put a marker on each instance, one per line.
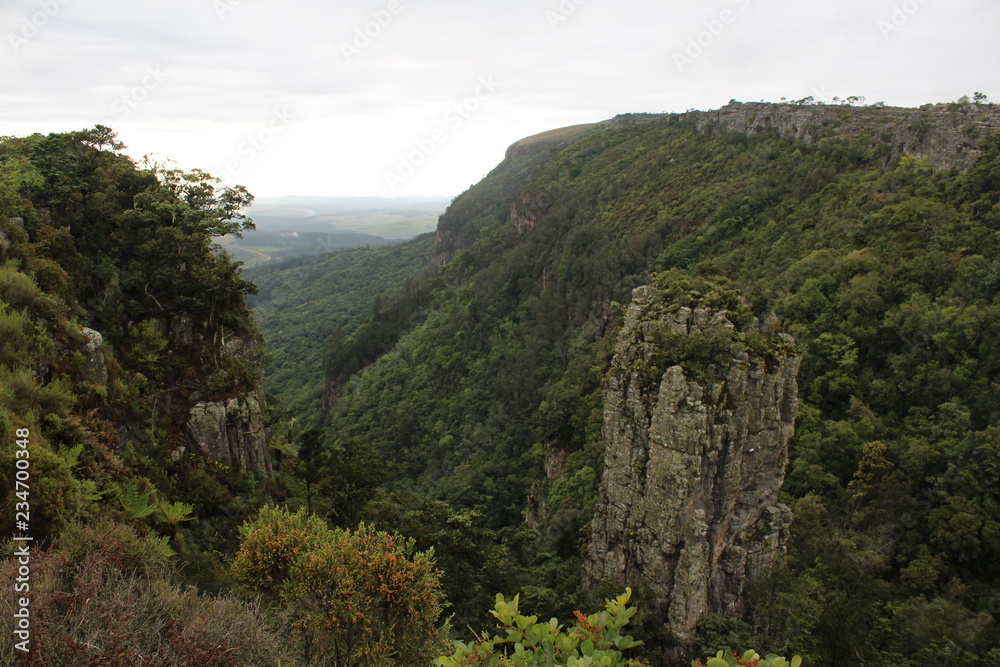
(700, 403)
(492, 198)
(231, 428)
(232, 432)
(944, 134)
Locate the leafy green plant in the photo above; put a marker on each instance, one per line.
(174, 513)
(20, 290)
(137, 498)
(595, 641)
(749, 659)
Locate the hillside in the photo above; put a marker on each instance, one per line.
(301, 304)
(135, 432)
(870, 233)
(740, 363)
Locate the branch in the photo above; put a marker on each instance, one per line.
(146, 290)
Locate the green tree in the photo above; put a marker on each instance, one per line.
(312, 460)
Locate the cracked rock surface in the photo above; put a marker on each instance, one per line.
(693, 461)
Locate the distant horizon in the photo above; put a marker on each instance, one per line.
(382, 197)
(424, 99)
(260, 194)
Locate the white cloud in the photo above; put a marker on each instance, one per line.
(225, 73)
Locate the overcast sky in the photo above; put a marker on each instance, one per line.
(423, 96)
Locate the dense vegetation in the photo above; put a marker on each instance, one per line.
(117, 316)
(360, 597)
(462, 454)
(884, 270)
(92, 243)
(302, 304)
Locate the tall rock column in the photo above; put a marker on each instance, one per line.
(700, 403)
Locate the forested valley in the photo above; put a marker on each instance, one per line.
(352, 458)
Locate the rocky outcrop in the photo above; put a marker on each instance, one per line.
(231, 428)
(232, 432)
(945, 134)
(695, 452)
(93, 356)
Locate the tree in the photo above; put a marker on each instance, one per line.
(311, 460)
(475, 561)
(354, 472)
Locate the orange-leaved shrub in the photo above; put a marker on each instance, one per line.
(361, 597)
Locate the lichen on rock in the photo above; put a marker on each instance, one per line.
(232, 432)
(94, 362)
(700, 403)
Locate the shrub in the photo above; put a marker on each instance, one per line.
(595, 640)
(107, 596)
(21, 293)
(361, 597)
(749, 659)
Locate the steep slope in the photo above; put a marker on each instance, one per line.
(485, 202)
(133, 361)
(881, 264)
(302, 304)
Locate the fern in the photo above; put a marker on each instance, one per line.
(136, 503)
(174, 513)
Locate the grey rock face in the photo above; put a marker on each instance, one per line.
(228, 428)
(693, 462)
(94, 358)
(231, 432)
(945, 135)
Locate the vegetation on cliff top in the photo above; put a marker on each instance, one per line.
(117, 315)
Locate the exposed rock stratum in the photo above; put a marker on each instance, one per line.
(696, 446)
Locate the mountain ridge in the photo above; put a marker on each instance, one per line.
(498, 369)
